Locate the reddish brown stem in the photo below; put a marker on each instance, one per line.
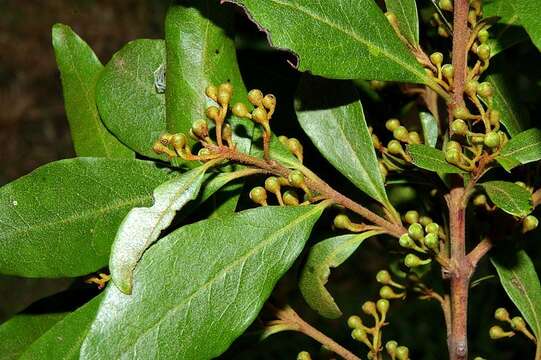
(461, 34)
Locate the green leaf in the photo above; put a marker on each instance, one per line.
(408, 20)
(510, 197)
(507, 32)
(330, 112)
(200, 287)
(343, 39)
(20, 331)
(524, 148)
(60, 220)
(129, 102)
(513, 116)
(528, 13)
(80, 69)
(327, 254)
(431, 159)
(201, 52)
(142, 226)
(64, 339)
(430, 128)
(519, 279)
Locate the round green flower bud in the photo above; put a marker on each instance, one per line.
(414, 138)
(461, 112)
(290, 198)
(459, 127)
(453, 156)
(391, 346)
(258, 195)
(416, 231)
(480, 200)
(383, 306)
(477, 139)
(212, 92)
(296, 178)
(412, 260)
(394, 147)
(227, 132)
(432, 242)
(494, 117)
(436, 58)
(295, 146)
(529, 223)
(402, 353)
(411, 217)
(470, 87)
(359, 335)
(483, 36)
(203, 152)
(518, 323)
(383, 277)
(392, 124)
(453, 145)
(272, 184)
(405, 241)
(355, 322)
(255, 96)
(483, 52)
(485, 90)
(425, 220)
(304, 355)
(448, 71)
(240, 110)
(225, 92)
(432, 228)
(283, 139)
(369, 307)
(269, 101)
(492, 139)
(401, 133)
(341, 221)
(501, 314)
(386, 292)
(446, 5)
(496, 332)
(179, 141)
(260, 115)
(200, 128)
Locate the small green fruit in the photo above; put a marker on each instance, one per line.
(432, 228)
(402, 353)
(225, 92)
(414, 138)
(485, 90)
(392, 124)
(240, 110)
(296, 178)
(496, 332)
(459, 127)
(483, 52)
(355, 322)
(448, 71)
(383, 277)
(369, 308)
(272, 184)
(412, 260)
(290, 198)
(255, 96)
(453, 156)
(518, 323)
(416, 231)
(432, 242)
(436, 58)
(529, 223)
(501, 314)
(394, 147)
(401, 133)
(411, 217)
(260, 115)
(383, 306)
(212, 92)
(405, 241)
(391, 346)
(200, 129)
(269, 101)
(359, 335)
(259, 195)
(492, 139)
(471, 87)
(483, 36)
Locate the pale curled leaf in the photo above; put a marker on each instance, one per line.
(343, 39)
(521, 283)
(64, 339)
(191, 286)
(142, 226)
(60, 220)
(331, 114)
(524, 148)
(431, 159)
(327, 254)
(430, 128)
(408, 19)
(510, 197)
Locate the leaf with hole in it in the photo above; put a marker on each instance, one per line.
(327, 254)
(129, 101)
(64, 339)
(21, 331)
(528, 15)
(510, 197)
(430, 128)
(79, 70)
(330, 112)
(431, 159)
(60, 220)
(521, 283)
(408, 20)
(342, 39)
(513, 116)
(142, 226)
(191, 286)
(524, 148)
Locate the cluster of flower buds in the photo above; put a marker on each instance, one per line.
(423, 236)
(386, 291)
(371, 336)
(274, 185)
(516, 323)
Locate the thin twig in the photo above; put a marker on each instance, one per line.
(479, 251)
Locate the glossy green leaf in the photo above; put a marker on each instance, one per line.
(513, 116)
(330, 112)
(507, 32)
(64, 339)
(528, 13)
(430, 128)
(79, 70)
(327, 254)
(344, 39)
(431, 159)
(129, 102)
(60, 220)
(408, 20)
(510, 197)
(519, 279)
(524, 148)
(22, 330)
(142, 226)
(201, 52)
(200, 287)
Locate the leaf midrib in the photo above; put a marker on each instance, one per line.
(530, 303)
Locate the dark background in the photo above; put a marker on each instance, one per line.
(34, 131)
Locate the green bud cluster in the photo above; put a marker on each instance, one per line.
(516, 323)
